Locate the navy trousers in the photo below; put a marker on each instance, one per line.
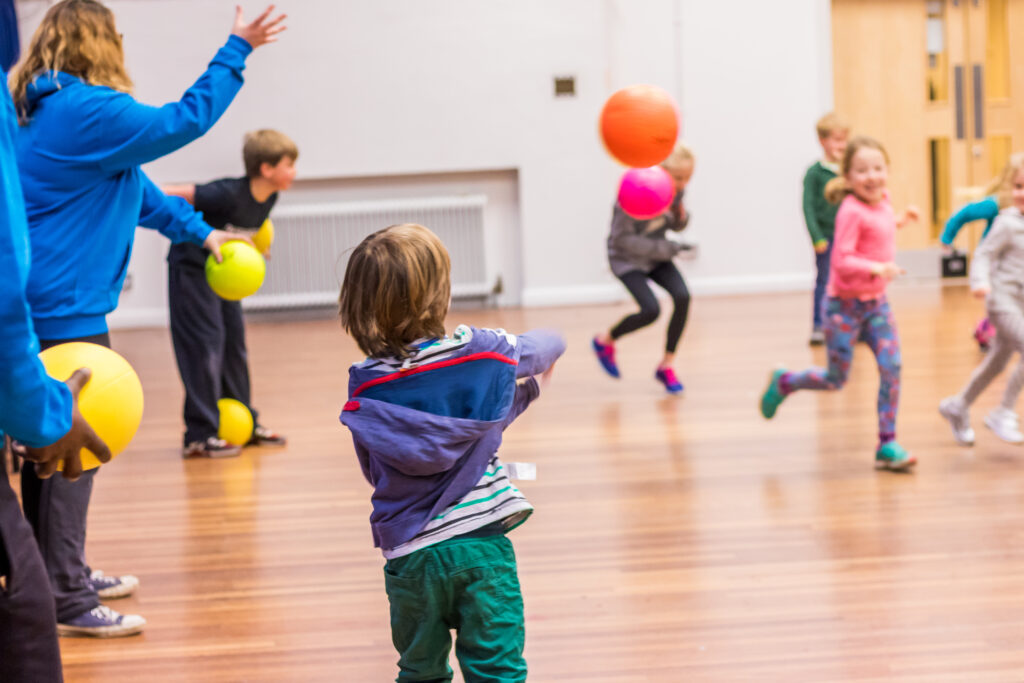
(28, 620)
(208, 334)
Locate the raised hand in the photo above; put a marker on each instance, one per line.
(261, 31)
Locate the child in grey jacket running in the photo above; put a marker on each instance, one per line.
(997, 274)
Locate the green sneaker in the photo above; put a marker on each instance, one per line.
(772, 397)
(893, 457)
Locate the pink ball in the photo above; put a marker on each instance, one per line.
(646, 192)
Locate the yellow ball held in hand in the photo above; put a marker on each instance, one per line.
(235, 422)
(111, 401)
(239, 274)
(264, 237)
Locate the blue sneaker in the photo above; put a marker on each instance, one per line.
(893, 457)
(110, 587)
(606, 356)
(102, 622)
(667, 376)
(772, 397)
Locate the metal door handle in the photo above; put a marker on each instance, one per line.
(979, 103)
(958, 95)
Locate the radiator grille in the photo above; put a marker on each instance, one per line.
(312, 243)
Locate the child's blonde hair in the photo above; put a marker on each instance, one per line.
(78, 37)
(830, 122)
(1002, 185)
(266, 146)
(397, 289)
(837, 188)
(681, 155)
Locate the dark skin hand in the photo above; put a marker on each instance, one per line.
(67, 449)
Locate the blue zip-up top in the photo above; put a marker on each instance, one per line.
(986, 209)
(425, 432)
(79, 158)
(34, 408)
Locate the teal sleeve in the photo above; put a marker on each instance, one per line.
(811, 189)
(986, 209)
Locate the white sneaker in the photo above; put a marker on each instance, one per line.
(1005, 424)
(954, 410)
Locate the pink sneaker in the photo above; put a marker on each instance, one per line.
(606, 356)
(984, 333)
(667, 376)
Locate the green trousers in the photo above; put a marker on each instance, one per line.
(468, 585)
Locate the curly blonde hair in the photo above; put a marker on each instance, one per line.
(77, 37)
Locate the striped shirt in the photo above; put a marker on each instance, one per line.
(493, 499)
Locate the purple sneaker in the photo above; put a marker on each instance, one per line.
(606, 356)
(667, 376)
(102, 622)
(110, 587)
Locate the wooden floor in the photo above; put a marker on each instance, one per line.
(675, 539)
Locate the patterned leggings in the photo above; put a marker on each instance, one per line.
(846, 322)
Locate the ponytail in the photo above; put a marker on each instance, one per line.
(836, 190)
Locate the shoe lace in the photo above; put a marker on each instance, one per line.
(104, 579)
(104, 612)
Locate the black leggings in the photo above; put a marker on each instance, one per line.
(667, 276)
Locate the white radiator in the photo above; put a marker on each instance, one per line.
(312, 244)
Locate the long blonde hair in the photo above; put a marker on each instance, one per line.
(78, 37)
(1001, 186)
(837, 188)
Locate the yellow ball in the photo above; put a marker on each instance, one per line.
(264, 237)
(111, 401)
(235, 422)
(239, 274)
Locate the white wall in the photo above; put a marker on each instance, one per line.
(410, 87)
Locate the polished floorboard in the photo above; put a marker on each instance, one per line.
(674, 539)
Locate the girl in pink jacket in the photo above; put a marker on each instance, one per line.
(856, 308)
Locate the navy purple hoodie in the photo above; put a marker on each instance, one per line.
(425, 428)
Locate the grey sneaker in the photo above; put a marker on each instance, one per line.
(1005, 424)
(102, 622)
(817, 337)
(954, 410)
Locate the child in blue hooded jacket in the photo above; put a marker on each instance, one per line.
(427, 412)
(81, 142)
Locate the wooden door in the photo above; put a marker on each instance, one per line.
(940, 83)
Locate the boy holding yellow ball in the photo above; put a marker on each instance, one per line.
(208, 332)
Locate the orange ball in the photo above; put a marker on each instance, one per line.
(639, 125)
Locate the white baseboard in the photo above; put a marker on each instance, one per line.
(707, 286)
(127, 318)
(751, 284)
(603, 293)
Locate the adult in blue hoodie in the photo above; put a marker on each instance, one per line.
(80, 145)
(34, 408)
